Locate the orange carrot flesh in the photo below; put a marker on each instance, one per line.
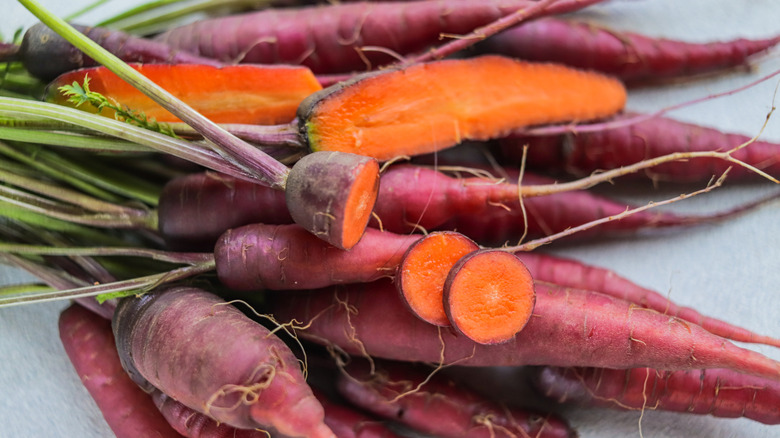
(428, 107)
(251, 94)
(489, 296)
(360, 203)
(423, 271)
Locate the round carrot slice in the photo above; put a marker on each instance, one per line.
(423, 270)
(489, 296)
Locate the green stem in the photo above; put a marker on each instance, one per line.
(186, 258)
(23, 109)
(239, 153)
(70, 140)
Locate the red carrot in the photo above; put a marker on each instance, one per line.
(569, 327)
(716, 392)
(237, 372)
(287, 257)
(347, 422)
(584, 153)
(342, 37)
(89, 343)
(630, 56)
(439, 406)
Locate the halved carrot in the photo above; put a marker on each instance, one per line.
(431, 106)
(423, 270)
(489, 296)
(252, 94)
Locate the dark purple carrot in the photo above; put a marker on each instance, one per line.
(716, 392)
(569, 327)
(206, 354)
(631, 57)
(196, 209)
(46, 55)
(89, 343)
(571, 273)
(584, 153)
(439, 406)
(343, 37)
(347, 422)
(259, 256)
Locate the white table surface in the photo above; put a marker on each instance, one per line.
(729, 270)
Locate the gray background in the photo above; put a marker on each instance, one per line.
(727, 270)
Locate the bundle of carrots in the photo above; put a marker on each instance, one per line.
(315, 220)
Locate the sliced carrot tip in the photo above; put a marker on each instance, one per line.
(360, 202)
(489, 296)
(424, 269)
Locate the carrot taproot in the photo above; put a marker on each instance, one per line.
(250, 94)
(422, 273)
(347, 422)
(340, 37)
(453, 100)
(89, 343)
(569, 327)
(410, 395)
(259, 256)
(253, 381)
(632, 57)
(195, 209)
(46, 55)
(716, 392)
(584, 153)
(489, 296)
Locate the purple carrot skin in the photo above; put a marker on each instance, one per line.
(569, 327)
(329, 39)
(193, 424)
(574, 274)
(716, 392)
(89, 343)
(46, 55)
(347, 422)
(205, 353)
(261, 256)
(631, 57)
(392, 392)
(413, 197)
(584, 153)
(194, 210)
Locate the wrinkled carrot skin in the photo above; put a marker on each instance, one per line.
(441, 407)
(347, 422)
(47, 55)
(250, 94)
(632, 57)
(128, 410)
(574, 274)
(193, 424)
(328, 39)
(194, 210)
(258, 256)
(569, 327)
(450, 101)
(584, 153)
(716, 392)
(205, 353)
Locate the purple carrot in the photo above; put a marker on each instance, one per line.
(632, 57)
(716, 392)
(584, 153)
(89, 343)
(46, 55)
(342, 37)
(569, 327)
(404, 393)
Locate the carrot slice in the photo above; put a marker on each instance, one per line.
(252, 94)
(489, 296)
(423, 270)
(428, 107)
